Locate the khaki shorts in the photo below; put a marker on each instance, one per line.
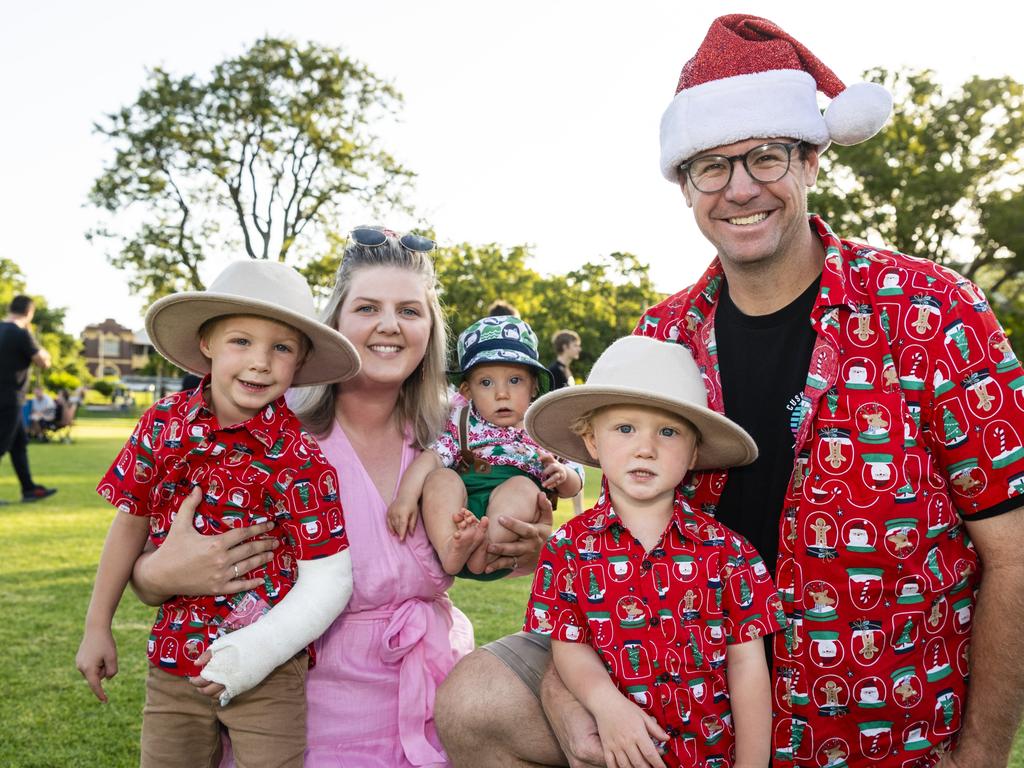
(526, 655)
(266, 725)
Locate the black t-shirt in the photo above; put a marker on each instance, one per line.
(763, 362)
(17, 348)
(559, 378)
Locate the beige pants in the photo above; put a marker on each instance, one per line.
(266, 725)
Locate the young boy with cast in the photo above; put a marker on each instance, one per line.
(484, 465)
(656, 612)
(237, 661)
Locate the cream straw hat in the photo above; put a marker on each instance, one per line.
(637, 370)
(251, 287)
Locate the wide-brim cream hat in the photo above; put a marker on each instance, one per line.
(638, 370)
(257, 287)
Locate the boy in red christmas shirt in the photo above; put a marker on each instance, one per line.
(671, 603)
(254, 334)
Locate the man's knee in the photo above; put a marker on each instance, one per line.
(460, 705)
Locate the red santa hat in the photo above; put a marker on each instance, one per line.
(749, 79)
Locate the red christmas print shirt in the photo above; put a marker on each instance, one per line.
(267, 468)
(911, 421)
(659, 619)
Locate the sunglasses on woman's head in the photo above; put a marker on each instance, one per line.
(373, 237)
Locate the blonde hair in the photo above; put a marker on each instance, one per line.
(583, 424)
(423, 398)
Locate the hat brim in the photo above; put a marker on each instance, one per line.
(173, 324)
(723, 443)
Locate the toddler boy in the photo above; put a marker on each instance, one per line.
(656, 612)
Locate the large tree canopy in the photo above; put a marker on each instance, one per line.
(943, 180)
(253, 159)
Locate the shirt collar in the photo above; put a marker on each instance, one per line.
(259, 426)
(197, 401)
(685, 519)
(833, 290)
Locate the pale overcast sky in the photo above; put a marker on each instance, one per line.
(530, 122)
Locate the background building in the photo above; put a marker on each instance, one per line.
(110, 349)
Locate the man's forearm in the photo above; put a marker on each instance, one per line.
(574, 727)
(995, 694)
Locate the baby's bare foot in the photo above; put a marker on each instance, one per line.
(469, 533)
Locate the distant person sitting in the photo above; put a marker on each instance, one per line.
(500, 308)
(18, 350)
(43, 415)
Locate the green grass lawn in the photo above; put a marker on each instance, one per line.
(48, 554)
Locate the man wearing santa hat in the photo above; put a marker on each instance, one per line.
(803, 335)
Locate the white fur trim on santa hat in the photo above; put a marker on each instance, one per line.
(780, 103)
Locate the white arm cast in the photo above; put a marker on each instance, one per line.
(243, 658)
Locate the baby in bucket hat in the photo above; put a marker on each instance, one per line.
(234, 446)
(671, 603)
(484, 464)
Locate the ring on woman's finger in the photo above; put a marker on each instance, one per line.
(235, 566)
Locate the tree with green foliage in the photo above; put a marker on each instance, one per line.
(12, 282)
(68, 369)
(942, 180)
(257, 158)
(601, 300)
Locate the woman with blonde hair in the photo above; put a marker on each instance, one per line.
(371, 693)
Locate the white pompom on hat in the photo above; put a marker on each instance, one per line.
(749, 79)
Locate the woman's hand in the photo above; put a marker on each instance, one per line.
(522, 554)
(189, 563)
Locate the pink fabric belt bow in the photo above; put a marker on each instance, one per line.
(406, 642)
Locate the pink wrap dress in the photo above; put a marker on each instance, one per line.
(371, 693)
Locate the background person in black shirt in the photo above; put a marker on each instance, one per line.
(567, 351)
(18, 350)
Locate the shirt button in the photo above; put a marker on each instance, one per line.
(646, 564)
(654, 621)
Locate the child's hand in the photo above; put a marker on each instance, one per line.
(555, 472)
(97, 659)
(626, 734)
(204, 686)
(402, 518)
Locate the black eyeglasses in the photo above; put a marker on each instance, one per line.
(765, 164)
(374, 237)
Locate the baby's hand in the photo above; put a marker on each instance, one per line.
(555, 472)
(402, 518)
(628, 734)
(97, 659)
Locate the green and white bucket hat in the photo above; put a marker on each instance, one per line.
(501, 340)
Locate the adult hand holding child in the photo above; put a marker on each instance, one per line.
(189, 563)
